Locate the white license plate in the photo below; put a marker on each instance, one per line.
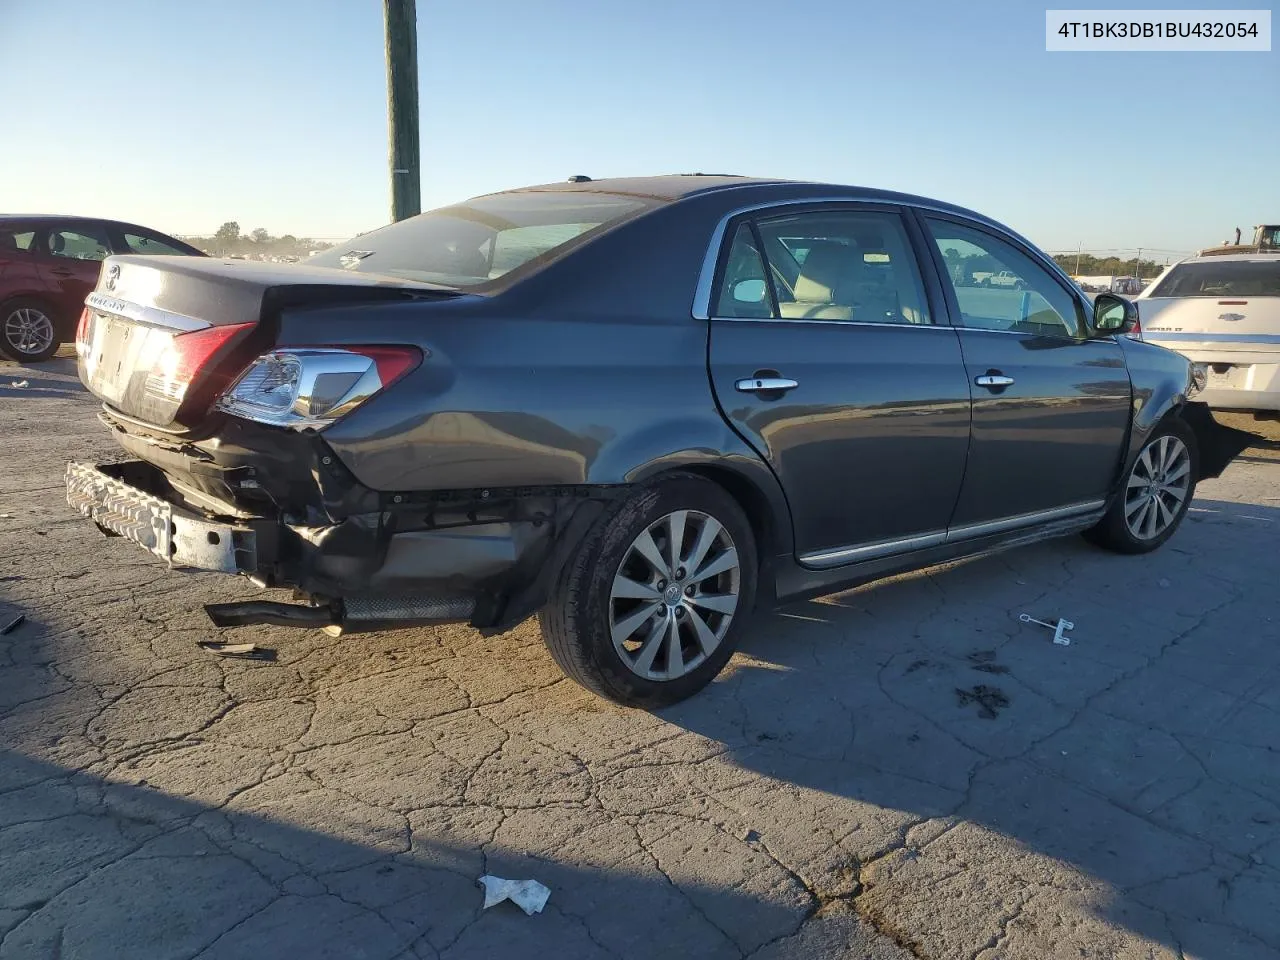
(120, 350)
(107, 355)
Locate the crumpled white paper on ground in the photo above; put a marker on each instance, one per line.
(529, 895)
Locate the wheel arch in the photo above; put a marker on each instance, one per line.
(1216, 445)
(756, 491)
(38, 296)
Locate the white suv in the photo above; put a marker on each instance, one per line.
(1223, 312)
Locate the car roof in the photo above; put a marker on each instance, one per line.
(664, 187)
(680, 186)
(6, 218)
(1233, 258)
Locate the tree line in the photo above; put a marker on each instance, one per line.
(1087, 265)
(228, 241)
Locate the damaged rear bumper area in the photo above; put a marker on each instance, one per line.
(1217, 443)
(486, 557)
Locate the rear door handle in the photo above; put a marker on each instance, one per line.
(993, 380)
(765, 385)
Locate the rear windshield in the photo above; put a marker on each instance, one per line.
(1235, 278)
(479, 241)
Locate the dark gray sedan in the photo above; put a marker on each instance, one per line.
(642, 407)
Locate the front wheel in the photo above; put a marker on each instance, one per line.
(1156, 494)
(648, 609)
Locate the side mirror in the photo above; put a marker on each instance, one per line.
(750, 291)
(1113, 314)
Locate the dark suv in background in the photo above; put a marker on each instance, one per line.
(48, 265)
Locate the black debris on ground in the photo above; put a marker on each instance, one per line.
(990, 700)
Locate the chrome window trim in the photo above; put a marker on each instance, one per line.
(840, 556)
(835, 323)
(701, 309)
(1023, 333)
(148, 316)
(906, 326)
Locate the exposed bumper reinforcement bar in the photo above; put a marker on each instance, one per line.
(175, 535)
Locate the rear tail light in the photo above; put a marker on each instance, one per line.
(314, 386)
(1136, 332)
(84, 332)
(178, 362)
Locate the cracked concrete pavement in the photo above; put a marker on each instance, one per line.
(831, 795)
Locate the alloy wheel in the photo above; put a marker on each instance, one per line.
(1157, 488)
(28, 330)
(674, 595)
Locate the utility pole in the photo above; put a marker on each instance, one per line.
(1079, 250)
(402, 107)
(1137, 265)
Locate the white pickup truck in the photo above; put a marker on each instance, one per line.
(1004, 279)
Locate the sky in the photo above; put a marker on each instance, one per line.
(272, 113)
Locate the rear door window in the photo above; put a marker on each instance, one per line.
(1231, 278)
(854, 267)
(83, 242)
(744, 289)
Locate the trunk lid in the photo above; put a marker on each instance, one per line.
(160, 337)
(1216, 323)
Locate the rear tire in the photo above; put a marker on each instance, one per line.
(631, 625)
(1155, 494)
(28, 330)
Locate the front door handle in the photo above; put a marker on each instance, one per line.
(993, 380)
(765, 385)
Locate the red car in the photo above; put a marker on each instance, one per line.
(48, 265)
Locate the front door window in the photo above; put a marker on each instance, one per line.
(998, 287)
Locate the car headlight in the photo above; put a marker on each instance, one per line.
(1198, 379)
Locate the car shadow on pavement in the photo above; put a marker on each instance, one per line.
(53, 378)
(94, 867)
(1132, 773)
(902, 762)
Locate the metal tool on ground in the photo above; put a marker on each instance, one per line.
(246, 651)
(1059, 629)
(14, 624)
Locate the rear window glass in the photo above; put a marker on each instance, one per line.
(478, 242)
(1234, 278)
(138, 243)
(16, 240)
